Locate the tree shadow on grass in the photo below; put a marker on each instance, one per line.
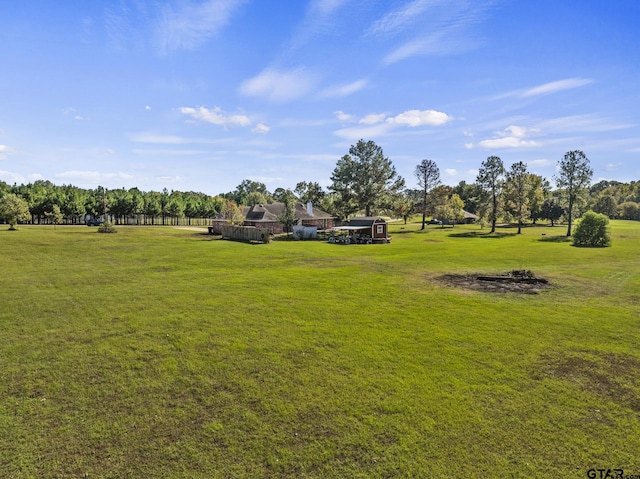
(555, 239)
(483, 235)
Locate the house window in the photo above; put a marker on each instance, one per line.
(380, 229)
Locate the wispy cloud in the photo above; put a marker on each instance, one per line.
(154, 138)
(261, 128)
(398, 19)
(192, 23)
(215, 116)
(166, 152)
(547, 88)
(343, 90)
(552, 87)
(431, 27)
(72, 113)
(373, 118)
(279, 86)
(585, 123)
(94, 177)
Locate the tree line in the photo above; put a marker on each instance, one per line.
(364, 181)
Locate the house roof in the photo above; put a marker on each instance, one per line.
(270, 212)
(365, 220)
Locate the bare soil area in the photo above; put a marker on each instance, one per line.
(513, 282)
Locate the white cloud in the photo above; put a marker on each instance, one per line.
(173, 152)
(540, 163)
(147, 107)
(279, 86)
(215, 116)
(193, 23)
(356, 133)
(451, 171)
(4, 151)
(10, 177)
(343, 90)
(261, 128)
(71, 112)
(377, 124)
(415, 118)
(373, 118)
(170, 179)
(91, 176)
(153, 138)
(512, 137)
(342, 116)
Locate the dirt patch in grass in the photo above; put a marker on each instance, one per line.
(523, 282)
(613, 376)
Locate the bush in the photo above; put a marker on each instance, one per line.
(592, 230)
(107, 227)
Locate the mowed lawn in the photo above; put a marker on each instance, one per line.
(164, 353)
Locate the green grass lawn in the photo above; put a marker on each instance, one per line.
(159, 352)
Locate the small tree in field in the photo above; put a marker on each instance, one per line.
(574, 177)
(14, 209)
(54, 216)
(592, 230)
(288, 216)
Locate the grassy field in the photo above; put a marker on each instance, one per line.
(164, 353)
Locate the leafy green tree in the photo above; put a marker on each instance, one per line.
(438, 196)
(402, 206)
(428, 175)
(256, 198)
(192, 206)
(120, 204)
(175, 207)
(629, 210)
(516, 192)
(574, 176)
(241, 194)
(451, 211)
(472, 195)
(287, 218)
(279, 194)
(365, 179)
(606, 204)
(151, 208)
(538, 189)
(490, 179)
(73, 203)
(592, 230)
(14, 209)
(54, 216)
(232, 212)
(310, 192)
(551, 210)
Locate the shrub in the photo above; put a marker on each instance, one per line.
(107, 227)
(592, 230)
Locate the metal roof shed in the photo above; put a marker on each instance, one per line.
(374, 226)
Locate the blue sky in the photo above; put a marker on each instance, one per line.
(199, 95)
